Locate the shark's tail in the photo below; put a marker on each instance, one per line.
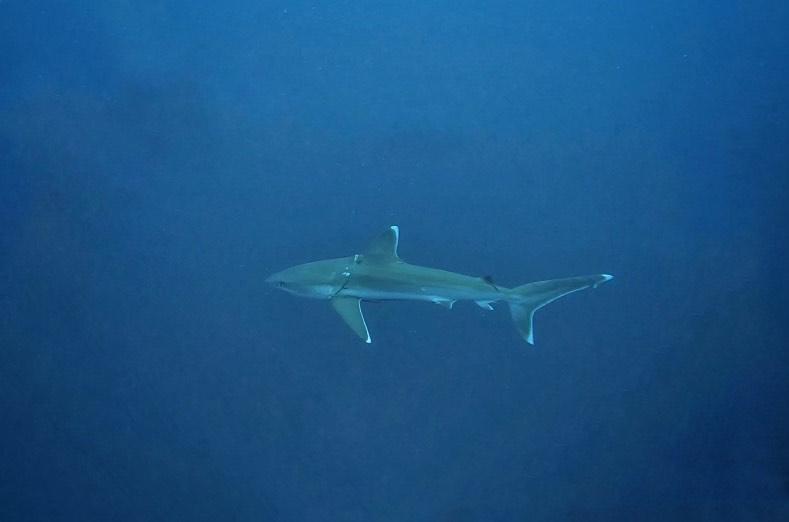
(526, 299)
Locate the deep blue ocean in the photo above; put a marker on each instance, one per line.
(158, 160)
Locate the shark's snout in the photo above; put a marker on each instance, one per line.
(276, 279)
(318, 280)
(287, 280)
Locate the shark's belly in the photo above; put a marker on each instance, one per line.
(385, 289)
(372, 294)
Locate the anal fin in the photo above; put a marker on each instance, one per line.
(350, 309)
(484, 304)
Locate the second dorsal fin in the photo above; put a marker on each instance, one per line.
(384, 247)
(489, 279)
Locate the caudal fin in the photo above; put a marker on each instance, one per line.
(526, 299)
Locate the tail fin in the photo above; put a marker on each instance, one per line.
(526, 299)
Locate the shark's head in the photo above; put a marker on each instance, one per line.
(319, 279)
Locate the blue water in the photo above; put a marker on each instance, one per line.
(159, 159)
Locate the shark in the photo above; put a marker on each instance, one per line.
(379, 274)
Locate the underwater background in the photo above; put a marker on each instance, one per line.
(159, 159)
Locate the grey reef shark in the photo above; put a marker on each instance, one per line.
(378, 274)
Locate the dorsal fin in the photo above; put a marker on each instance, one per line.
(384, 247)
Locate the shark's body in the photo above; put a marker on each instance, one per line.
(379, 274)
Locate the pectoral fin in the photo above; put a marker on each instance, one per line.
(350, 309)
